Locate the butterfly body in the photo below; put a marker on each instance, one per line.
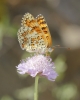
(34, 35)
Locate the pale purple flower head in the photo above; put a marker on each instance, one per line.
(38, 64)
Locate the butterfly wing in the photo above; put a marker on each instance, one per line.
(22, 37)
(43, 25)
(30, 35)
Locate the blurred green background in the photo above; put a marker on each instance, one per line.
(63, 18)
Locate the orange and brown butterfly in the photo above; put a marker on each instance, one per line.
(34, 35)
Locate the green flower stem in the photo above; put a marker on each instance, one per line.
(36, 88)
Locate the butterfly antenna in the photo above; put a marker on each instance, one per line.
(58, 46)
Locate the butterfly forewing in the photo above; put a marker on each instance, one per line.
(43, 25)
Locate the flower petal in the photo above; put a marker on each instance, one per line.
(38, 64)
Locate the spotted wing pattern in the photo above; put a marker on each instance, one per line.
(31, 36)
(43, 25)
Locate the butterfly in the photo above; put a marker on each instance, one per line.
(34, 34)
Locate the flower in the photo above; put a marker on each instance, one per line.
(38, 65)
